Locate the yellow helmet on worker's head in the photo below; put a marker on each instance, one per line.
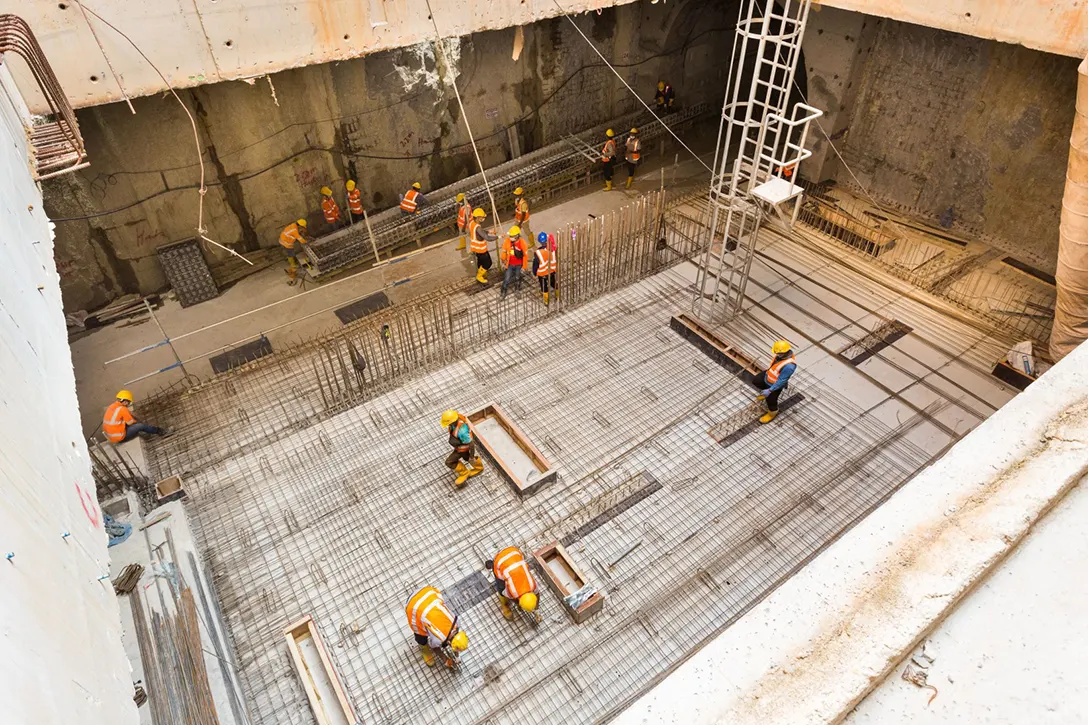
(460, 197)
(519, 191)
(780, 346)
(449, 418)
(527, 602)
(125, 395)
(416, 186)
(479, 213)
(326, 191)
(350, 185)
(634, 130)
(459, 642)
(515, 231)
(609, 133)
(301, 223)
(661, 85)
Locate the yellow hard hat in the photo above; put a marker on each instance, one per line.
(460, 197)
(350, 185)
(519, 191)
(460, 642)
(610, 133)
(661, 85)
(515, 231)
(301, 223)
(478, 212)
(634, 130)
(449, 418)
(124, 395)
(326, 191)
(527, 602)
(416, 186)
(780, 347)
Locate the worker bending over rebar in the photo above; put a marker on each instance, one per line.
(464, 448)
(513, 581)
(434, 626)
(772, 381)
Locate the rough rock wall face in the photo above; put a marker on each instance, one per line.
(967, 133)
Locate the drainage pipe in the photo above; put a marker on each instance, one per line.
(1071, 308)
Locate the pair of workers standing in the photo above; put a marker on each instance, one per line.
(632, 154)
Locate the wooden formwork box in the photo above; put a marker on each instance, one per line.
(338, 712)
(557, 554)
(543, 467)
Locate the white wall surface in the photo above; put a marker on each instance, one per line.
(61, 659)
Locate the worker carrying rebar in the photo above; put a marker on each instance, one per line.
(120, 425)
(772, 381)
(634, 155)
(434, 626)
(608, 158)
(413, 200)
(513, 258)
(330, 208)
(293, 240)
(355, 202)
(664, 97)
(464, 216)
(521, 212)
(464, 448)
(479, 238)
(513, 581)
(544, 265)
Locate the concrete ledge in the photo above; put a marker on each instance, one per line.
(818, 644)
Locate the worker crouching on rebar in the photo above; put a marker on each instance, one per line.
(634, 155)
(513, 257)
(772, 381)
(544, 265)
(479, 238)
(464, 448)
(434, 626)
(120, 425)
(413, 200)
(513, 582)
(329, 208)
(293, 240)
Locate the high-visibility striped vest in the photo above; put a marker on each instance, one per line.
(116, 420)
(464, 216)
(477, 243)
(776, 369)
(330, 209)
(545, 263)
(409, 202)
(521, 211)
(634, 149)
(428, 615)
(290, 235)
(355, 202)
(510, 567)
(609, 151)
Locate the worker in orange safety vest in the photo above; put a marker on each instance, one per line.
(608, 158)
(544, 265)
(120, 425)
(513, 258)
(464, 217)
(434, 626)
(514, 582)
(355, 202)
(293, 240)
(772, 381)
(412, 200)
(478, 239)
(634, 155)
(521, 212)
(329, 208)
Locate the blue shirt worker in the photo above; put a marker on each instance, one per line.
(464, 448)
(772, 381)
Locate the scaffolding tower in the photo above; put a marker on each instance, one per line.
(759, 151)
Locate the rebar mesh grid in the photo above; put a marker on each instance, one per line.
(344, 519)
(188, 272)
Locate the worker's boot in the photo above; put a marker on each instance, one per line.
(505, 606)
(545, 298)
(477, 467)
(481, 275)
(459, 468)
(460, 243)
(629, 180)
(768, 416)
(608, 185)
(463, 473)
(428, 655)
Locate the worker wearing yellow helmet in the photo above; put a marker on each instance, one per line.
(772, 381)
(634, 155)
(413, 200)
(120, 425)
(608, 157)
(514, 582)
(478, 239)
(464, 216)
(521, 212)
(355, 202)
(293, 239)
(329, 208)
(464, 448)
(664, 97)
(434, 627)
(514, 257)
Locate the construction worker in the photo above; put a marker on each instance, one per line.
(513, 258)
(544, 265)
(772, 381)
(464, 216)
(464, 448)
(664, 97)
(119, 424)
(513, 581)
(293, 239)
(608, 158)
(330, 208)
(479, 238)
(521, 212)
(434, 626)
(355, 202)
(412, 200)
(634, 155)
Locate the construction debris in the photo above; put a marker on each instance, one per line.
(129, 578)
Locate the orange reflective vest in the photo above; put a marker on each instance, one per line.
(545, 263)
(634, 149)
(330, 210)
(410, 201)
(776, 369)
(116, 420)
(509, 247)
(609, 151)
(510, 567)
(521, 211)
(355, 202)
(290, 235)
(429, 617)
(464, 216)
(477, 243)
